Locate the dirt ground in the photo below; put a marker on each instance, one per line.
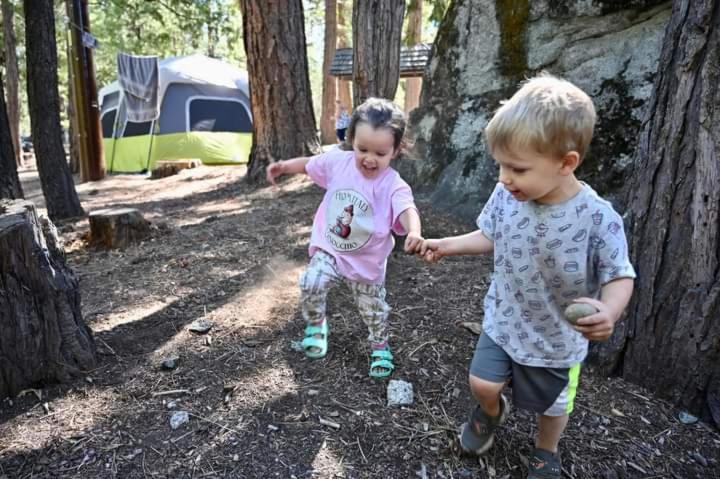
(232, 254)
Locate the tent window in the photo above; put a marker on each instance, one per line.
(108, 122)
(137, 129)
(218, 115)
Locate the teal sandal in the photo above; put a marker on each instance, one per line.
(316, 348)
(383, 366)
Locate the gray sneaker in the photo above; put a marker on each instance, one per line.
(478, 434)
(544, 465)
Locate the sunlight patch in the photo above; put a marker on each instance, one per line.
(126, 314)
(267, 301)
(64, 419)
(254, 392)
(327, 464)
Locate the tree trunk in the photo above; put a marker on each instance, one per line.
(343, 36)
(283, 117)
(9, 181)
(72, 131)
(413, 36)
(327, 118)
(71, 106)
(377, 31)
(671, 340)
(44, 338)
(12, 77)
(44, 105)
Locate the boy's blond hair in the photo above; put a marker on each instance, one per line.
(548, 115)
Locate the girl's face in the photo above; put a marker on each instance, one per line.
(374, 149)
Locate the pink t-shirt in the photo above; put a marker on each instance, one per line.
(355, 219)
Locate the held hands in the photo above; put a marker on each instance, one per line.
(413, 243)
(431, 250)
(274, 170)
(599, 326)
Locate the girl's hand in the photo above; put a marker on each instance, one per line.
(413, 243)
(598, 326)
(273, 171)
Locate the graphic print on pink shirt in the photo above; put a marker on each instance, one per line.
(353, 224)
(359, 238)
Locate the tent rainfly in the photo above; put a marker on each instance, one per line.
(205, 114)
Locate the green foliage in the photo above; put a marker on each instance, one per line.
(437, 12)
(165, 28)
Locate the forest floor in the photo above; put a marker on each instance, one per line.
(232, 254)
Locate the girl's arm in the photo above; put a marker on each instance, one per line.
(286, 167)
(410, 220)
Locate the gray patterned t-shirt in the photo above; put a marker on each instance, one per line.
(546, 256)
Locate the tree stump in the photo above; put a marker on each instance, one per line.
(43, 338)
(165, 168)
(118, 227)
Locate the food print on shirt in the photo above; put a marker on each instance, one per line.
(351, 220)
(546, 256)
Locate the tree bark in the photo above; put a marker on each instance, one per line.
(327, 117)
(71, 108)
(377, 32)
(12, 77)
(44, 338)
(413, 36)
(343, 41)
(670, 342)
(44, 105)
(283, 117)
(9, 181)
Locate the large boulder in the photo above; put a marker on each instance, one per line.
(484, 48)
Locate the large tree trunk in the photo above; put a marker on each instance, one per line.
(377, 31)
(44, 105)
(9, 181)
(413, 36)
(12, 77)
(327, 117)
(44, 338)
(670, 342)
(283, 118)
(344, 13)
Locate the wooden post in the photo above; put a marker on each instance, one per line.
(92, 162)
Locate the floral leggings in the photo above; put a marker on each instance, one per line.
(321, 276)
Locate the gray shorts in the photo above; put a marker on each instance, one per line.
(547, 391)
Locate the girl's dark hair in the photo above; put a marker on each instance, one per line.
(378, 113)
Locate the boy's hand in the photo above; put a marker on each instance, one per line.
(599, 326)
(413, 243)
(430, 250)
(273, 171)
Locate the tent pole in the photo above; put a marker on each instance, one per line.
(113, 136)
(152, 137)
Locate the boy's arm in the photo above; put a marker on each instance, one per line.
(471, 243)
(614, 298)
(410, 220)
(286, 167)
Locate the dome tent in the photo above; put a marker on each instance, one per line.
(204, 114)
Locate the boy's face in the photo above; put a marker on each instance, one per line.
(374, 149)
(531, 176)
